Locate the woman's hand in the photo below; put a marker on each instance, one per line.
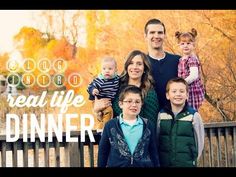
(101, 104)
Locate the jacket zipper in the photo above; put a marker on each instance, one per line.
(132, 156)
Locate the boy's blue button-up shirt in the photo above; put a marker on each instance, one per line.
(132, 133)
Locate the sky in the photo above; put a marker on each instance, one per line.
(11, 23)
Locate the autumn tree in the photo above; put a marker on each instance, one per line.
(218, 54)
(3, 61)
(62, 24)
(29, 41)
(117, 32)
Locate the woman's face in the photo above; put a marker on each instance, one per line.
(136, 68)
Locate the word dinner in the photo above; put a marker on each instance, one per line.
(48, 123)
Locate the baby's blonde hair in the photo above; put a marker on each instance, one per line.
(109, 59)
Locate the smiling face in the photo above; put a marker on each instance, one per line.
(177, 94)
(186, 45)
(155, 36)
(136, 68)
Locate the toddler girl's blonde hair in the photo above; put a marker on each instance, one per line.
(186, 36)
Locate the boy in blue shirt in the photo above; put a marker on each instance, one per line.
(128, 140)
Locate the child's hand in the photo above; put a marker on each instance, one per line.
(95, 92)
(100, 116)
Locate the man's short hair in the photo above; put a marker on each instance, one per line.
(154, 21)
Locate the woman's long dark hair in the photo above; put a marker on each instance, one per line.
(147, 80)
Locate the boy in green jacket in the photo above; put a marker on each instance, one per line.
(180, 130)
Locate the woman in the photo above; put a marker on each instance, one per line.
(136, 72)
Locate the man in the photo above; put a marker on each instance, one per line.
(164, 65)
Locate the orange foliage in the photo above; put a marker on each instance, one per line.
(62, 48)
(116, 33)
(3, 60)
(29, 41)
(91, 29)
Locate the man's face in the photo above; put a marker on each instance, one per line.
(155, 36)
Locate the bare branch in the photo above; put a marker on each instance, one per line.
(215, 104)
(217, 28)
